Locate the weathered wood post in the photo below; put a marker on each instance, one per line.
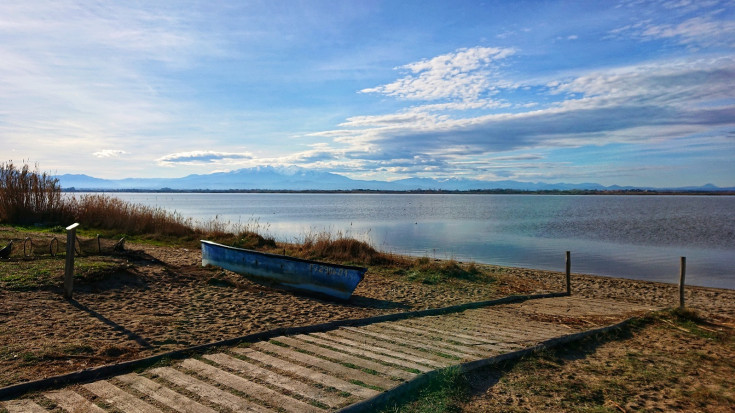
(71, 237)
(682, 273)
(568, 262)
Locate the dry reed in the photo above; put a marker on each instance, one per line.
(28, 196)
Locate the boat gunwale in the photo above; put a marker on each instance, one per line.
(361, 270)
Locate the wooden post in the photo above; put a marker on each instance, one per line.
(71, 237)
(682, 273)
(568, 262)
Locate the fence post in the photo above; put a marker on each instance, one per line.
(682, 273)
(71, 238)
(568, 264)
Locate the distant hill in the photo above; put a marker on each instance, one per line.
(300, 179)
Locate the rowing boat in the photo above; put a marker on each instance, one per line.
(334, 280)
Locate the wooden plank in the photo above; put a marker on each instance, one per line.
(357, 350)
(307, 373)
(23, 406)
(448, 332)
(482, 317)
(435, 341)
(347, 358)
(331, 399)
(119, 398)
(72, 401)
(350, 338)
(163, 394)
(331, 367)
(252, 389)
(416, 342)
(490, 332)
(519, 327)
(209, 392)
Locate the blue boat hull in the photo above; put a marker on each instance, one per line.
(338, 281)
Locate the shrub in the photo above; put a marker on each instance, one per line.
(341, 249)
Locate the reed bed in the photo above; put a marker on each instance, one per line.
(109, 213)
(28, 196)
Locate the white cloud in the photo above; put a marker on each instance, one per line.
(109, 153)
(697, 31)
(199, 157)
(465, 74)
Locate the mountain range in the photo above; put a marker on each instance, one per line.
(299, 179)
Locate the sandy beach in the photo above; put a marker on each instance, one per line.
(165, 300)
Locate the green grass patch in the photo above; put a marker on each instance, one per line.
(49, 272)
(442, 393)
(431, 272)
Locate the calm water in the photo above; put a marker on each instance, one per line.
(640, 237)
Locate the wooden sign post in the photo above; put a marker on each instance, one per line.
(568, 264)
(71, 237)
(682, 273)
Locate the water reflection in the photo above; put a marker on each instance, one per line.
(638, 237)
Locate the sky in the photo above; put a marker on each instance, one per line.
(626, 92)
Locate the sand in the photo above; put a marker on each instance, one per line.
(165, 300)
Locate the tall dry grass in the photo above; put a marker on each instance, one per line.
(28, 196)
(339, 248)
(109, 213)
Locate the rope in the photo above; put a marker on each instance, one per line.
(51, 246)
(30, 250)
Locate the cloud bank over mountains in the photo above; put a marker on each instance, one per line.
(268, 178)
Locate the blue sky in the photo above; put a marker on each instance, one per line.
(615, 92)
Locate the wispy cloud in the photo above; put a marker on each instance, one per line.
(466, 75)
(199, 157)
(696, 24)
(109, 153)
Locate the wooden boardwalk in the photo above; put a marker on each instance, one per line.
(331, 370)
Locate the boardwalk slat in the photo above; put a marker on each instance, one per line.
(119, 398)
(489, 329)
(331, 367)
(427, 345)
(347, 358)
(248, 387)
(437, 341)
(331, 399)
(357, 350)
(209, 392)
(22, 406)
(453, 333)
(499, 338)
(306, 373)
(351, 338)
(484, 321)
(163, 394)
(73, 402)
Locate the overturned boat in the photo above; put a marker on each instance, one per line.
(334, 280)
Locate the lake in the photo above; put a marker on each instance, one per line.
(639, 237)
